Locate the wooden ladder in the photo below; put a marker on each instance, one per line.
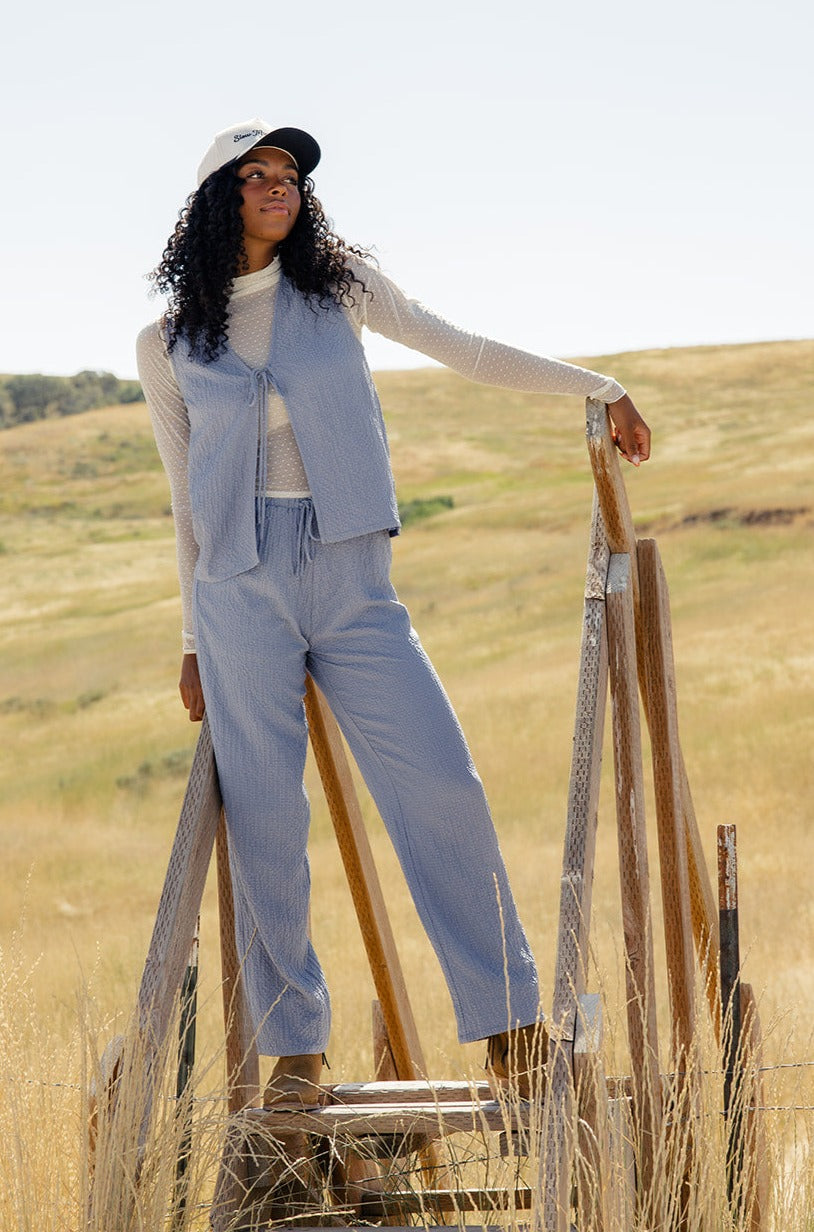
(627, 644)
(363, 1130)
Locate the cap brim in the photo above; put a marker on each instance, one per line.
(296, 142)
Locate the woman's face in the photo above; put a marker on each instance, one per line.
(269, 186)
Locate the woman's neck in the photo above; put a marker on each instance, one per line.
(258, 255)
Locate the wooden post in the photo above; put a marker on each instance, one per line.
(186, 1064)
(747, 1156)
(610, 490)
(556, 1156)
(635, 877)
(622, 1186)
(593, 1138)
(663, 721)
(384, 1067)
(621, 538)
(174, 927)
(242, 1061)
(731, 1002)
(181, 895)
(702, 903)
(173, 933)
(583, 792)
(756, 1180)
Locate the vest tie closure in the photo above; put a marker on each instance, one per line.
(262, 385)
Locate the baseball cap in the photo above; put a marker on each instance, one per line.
(236, 141)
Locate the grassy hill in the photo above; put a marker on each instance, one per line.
(94, 743)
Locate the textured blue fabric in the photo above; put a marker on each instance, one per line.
(331, 610)
(317, 365)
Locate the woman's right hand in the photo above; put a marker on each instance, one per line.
(631, 434)
(190, 687)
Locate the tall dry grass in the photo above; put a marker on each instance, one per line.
(94, 746)
(49, 1180)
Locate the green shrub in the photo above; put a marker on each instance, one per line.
(416, 510)
(30, 396)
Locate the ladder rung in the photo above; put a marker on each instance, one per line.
(357, 1120)
(375, 1205)
(409, 1092)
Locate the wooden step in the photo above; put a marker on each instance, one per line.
(418, 1092)
(369, 1119)
(381, 1205)
(391, 1112)
(365, 1122)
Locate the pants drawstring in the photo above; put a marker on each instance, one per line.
(305, 529)
(306, 536)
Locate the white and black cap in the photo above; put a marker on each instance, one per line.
(236, 141)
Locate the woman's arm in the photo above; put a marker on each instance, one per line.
(171, 428)
(388, 311)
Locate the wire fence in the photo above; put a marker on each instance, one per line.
(201, 1101)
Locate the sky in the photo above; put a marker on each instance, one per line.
(577, 179)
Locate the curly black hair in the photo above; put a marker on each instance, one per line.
(205, 254)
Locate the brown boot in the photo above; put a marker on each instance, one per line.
(294, 1082)
(515, 1061)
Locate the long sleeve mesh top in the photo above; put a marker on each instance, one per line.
(382, 308)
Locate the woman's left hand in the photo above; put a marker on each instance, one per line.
(630, 433)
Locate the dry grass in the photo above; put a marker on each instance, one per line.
(94, 744)
(47, 1182)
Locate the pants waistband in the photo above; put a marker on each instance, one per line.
(305, 530)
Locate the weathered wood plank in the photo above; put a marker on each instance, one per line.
(703, 905)
(593, 1154)
(756, 1180)
(181, 895)
(576, 884)
(374, 1205)
(583, 793)
(633, 864)
(622, 1186)
(164, 968)
(660, 683)
(445, 1091)
(384, 1067)
(358, 1120)
(370, 1201)
(610, 488)
(621, 538)
(556, 1157)
(242, 1062)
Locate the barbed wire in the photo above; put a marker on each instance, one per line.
(618, 1080)
(767, 1069)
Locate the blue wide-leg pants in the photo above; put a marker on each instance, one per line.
(330, 609)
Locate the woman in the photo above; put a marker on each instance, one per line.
(269, 428)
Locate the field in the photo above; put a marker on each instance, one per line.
(95, 744)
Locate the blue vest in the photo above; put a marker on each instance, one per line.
(317, 365)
